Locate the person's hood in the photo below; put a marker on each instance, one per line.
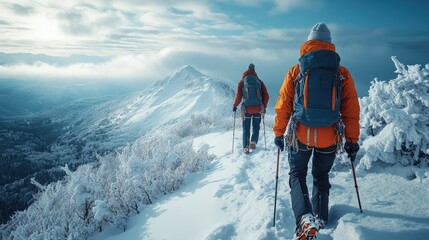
(249, 72)
(313, 45)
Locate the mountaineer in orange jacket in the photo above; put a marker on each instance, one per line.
(321, 142)
(253, 96)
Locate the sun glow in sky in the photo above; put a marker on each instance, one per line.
(45, 29)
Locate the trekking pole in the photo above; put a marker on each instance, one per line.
(277, 181)
(352, 159)
(233, 133)
(265, 137)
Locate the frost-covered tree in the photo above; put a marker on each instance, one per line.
(395, 118)
(113, 189)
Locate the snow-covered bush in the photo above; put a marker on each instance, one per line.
(201, 123)
(395, 118)
(111, 190)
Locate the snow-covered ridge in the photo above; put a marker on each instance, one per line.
(185, 93)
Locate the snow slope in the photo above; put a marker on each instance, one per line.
(186, 92)
(111, 124)
(234, 200)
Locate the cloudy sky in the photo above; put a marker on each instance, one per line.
(143, 41)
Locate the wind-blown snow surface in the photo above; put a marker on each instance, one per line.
(235, 200)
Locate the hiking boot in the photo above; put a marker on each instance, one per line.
(320, 223)
(246, 150)
(252, 145)
(307, 228)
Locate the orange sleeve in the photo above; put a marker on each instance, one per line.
(284, 105)
(238, 94)
(350, 109)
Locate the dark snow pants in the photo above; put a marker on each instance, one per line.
(323, 159)
(254, 121)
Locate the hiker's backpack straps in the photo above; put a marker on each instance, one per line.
(252, 91)
(318, 89)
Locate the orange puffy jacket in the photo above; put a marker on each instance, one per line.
(239, 94)
(325, 136)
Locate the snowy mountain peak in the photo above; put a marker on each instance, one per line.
(185, 93)
(190, 79)
(187, 73)
(188, 69)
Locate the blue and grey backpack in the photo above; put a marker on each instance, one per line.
(318, 89)
(252, 91)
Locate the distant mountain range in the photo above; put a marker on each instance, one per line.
(29, 58)
(23, 98)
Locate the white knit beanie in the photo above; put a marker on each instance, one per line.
(320, 31)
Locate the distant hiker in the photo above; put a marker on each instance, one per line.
(316, 98)
(253, 95)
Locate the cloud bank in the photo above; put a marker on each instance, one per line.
(148, 40)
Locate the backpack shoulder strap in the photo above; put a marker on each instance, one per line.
(297, 78)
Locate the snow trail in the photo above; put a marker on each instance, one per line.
(234, 199)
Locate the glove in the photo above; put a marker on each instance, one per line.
(234, 109)
(280, 142)
(351, 149)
